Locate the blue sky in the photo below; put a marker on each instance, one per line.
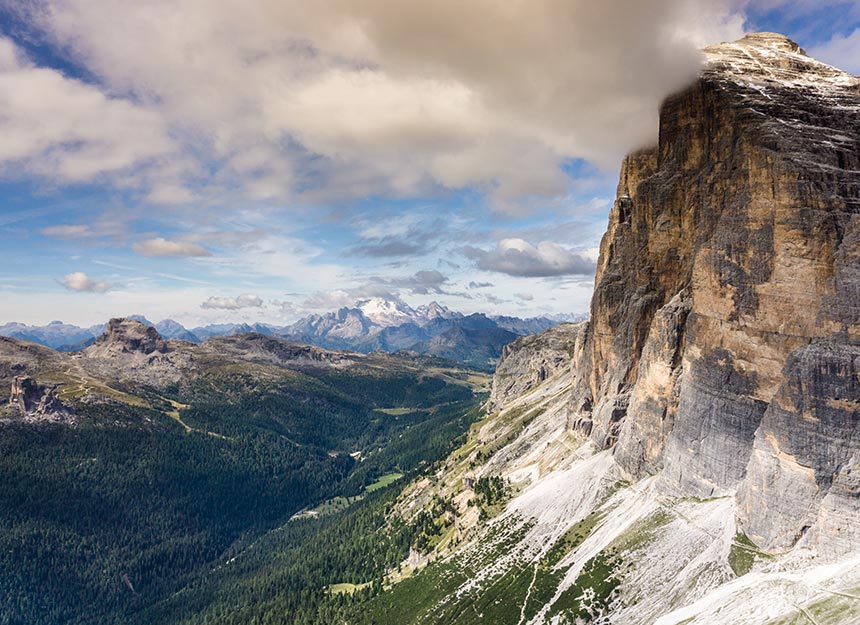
(221, 160)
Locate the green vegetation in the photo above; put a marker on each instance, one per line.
(340, 503)
(744, 554)
(428, 596)
(383, 481)
(591, 596)
(571, 539)
(174, 508)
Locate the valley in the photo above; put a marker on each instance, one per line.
(688, 455)
(113, 473)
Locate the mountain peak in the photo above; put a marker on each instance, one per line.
(385, 312)
(773, 40)
(771, 59)
(128, 335)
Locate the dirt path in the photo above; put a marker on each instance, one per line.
(174, 414)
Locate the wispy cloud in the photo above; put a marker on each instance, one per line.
(159, 246)
(421, 282)
(842, 51)
(245, 300)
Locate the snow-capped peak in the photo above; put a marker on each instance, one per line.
(771, 59)
(434, 310)
(386, 312)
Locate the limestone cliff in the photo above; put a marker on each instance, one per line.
(722, 350)
(530, 360)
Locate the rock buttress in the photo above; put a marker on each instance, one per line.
(732, 246)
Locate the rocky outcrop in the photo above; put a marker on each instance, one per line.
(721, 349)
(132, 351)
(807, 450)
(128, 336)
(35, 401)
(531, 360)
(270, 350)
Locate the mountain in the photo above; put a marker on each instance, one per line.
(332, 328)
(56, 334)
(475, 340)
(372, 324)
(170, 329)
(378, 324)
(140, 462)
(522, 327)
(689, 454)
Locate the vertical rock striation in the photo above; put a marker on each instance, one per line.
(722, 348)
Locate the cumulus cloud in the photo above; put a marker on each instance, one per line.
(79, 281)
(160, 246)
(267, 88)
(245, 300)
(520, 258)
(526, 297)
(328, 300)
(339, 298)
(70, 131)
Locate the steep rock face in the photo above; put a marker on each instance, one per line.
(34, 400)
(807, 450)
(531, 360)
(734, 245)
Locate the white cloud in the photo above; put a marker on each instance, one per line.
(160, 246)
(73, 231)
(420, 283)
(79, 281)
(351, 98)
(69, 131)
(842, 51)
(245, 300)
(328, 300)
(102, 228)
(517, 257)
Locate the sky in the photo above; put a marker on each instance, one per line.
(260, 160)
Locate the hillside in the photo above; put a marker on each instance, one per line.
(139, 462)
(693, 461)
(687, 456)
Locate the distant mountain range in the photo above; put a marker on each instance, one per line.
(370, 325)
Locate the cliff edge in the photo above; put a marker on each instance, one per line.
(723, 351)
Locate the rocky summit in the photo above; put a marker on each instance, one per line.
(723, 344)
